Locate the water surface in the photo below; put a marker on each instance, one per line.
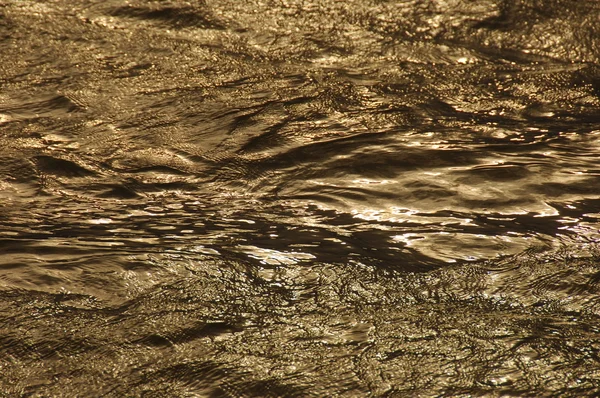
(299, 198)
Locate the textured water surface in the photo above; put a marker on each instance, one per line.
(299, 198)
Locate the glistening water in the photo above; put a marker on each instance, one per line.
(299, 198)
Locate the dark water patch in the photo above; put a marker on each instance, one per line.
(118, 192)
(173, 16)
(54, 106)
(60, 167)
(213, 330)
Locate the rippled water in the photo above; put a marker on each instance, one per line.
(299, 198)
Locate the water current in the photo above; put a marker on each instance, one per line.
(299, 198)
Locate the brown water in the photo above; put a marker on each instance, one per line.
(299, 198)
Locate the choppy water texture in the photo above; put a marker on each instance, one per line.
(299, 198)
